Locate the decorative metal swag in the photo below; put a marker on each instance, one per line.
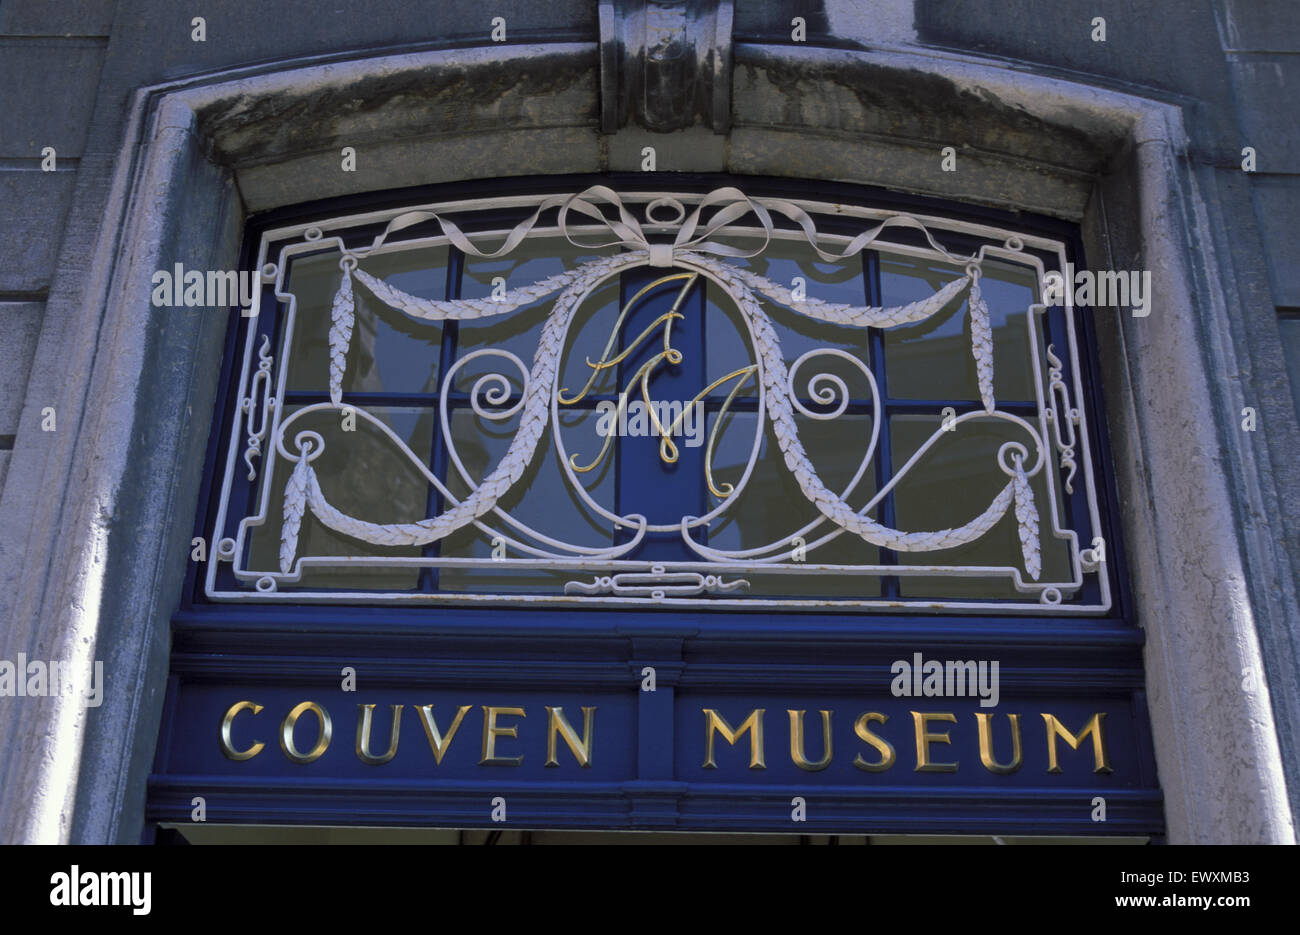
(693, 249)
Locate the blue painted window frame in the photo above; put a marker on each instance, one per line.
(1074, 504)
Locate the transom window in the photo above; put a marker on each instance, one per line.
(707, 398)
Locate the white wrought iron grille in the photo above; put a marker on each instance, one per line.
(663, 398)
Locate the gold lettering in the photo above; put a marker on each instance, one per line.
(322, 739)
(363, 735)
(668, 451)
(924, 738)
(436, 740)
(887, 755)
(227, 745)
(797, 752)
(491, 731)
(986, 744)
(1056, 729)
(556, 724)
(713, 721)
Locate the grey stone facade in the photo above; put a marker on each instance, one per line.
(164, 145)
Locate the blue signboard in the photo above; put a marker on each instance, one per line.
(681, 731)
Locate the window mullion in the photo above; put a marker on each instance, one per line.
(438, 454)
(884, 461)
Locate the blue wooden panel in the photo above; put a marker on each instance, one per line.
(648, 750)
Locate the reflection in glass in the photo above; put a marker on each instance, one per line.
(390, 351)
(363, 474)
(772, 507)
(932, 359)
(952, 484)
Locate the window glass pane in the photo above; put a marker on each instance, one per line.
(953, 483)
(363, 474)
(932, 359)
(542, 500)
(784, 262)
(532, 261)
(390, 351)
(772, 508)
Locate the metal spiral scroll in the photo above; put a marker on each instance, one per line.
(536, 400)
(691, 249)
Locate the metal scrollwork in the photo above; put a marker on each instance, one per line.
(688, 243)
(251, 403)
(1059, 414)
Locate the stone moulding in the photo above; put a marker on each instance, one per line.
(665, 63)
(191, 166)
